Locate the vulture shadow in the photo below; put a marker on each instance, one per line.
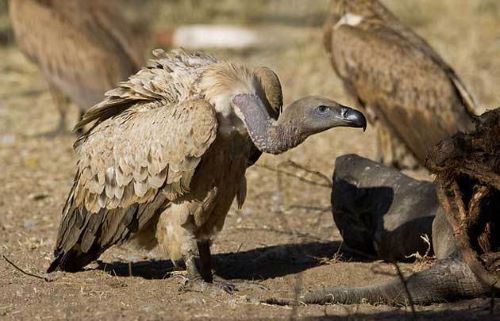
(261, 263)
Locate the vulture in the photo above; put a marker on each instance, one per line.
(411, 96)
(167, 151)
(83, 48)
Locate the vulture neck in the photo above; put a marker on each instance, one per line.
(268, 135)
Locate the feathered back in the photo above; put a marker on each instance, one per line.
(168, 77)
(396, 74)
(148, 138)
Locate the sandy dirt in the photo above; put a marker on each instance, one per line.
(282, 242)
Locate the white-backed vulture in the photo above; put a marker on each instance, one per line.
(174, 141)
(411, 96)
(83, 48)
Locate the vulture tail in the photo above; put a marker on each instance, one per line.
(72, 260)
(77, 244)
(83, 236)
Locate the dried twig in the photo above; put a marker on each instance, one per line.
(280, 205)
(408, 294)
(300, 178)
(311, 208)
(322, 176)
(24, 272)
(417, 255)
(277, 231)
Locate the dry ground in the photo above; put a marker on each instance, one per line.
(282, 241)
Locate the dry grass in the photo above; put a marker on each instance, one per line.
(35, 174)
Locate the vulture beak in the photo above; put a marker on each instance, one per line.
(352, 118)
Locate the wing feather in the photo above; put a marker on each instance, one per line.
(408, 86)
(144, 147)
(129, 167)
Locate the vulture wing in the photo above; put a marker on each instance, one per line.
(140, 155)
(403, 82)
(418, 42)
(77, 45)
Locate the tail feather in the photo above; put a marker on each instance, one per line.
(72, 260)
(84, 236)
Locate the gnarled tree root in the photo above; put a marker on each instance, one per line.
(447, 280)
(468, 185)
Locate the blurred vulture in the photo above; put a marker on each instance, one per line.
(83, 48)
(411, 96)
(168, 150)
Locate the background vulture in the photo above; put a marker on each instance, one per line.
(411, 96)
(171, 145)
(83, 48)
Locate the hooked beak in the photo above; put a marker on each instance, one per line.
(352, 118)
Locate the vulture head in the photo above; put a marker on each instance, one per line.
(301, 119)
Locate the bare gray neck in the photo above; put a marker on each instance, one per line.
(268, 135)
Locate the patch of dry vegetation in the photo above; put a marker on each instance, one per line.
(465, 32)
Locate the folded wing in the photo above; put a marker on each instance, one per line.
(140, 155)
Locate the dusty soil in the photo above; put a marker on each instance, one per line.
(282, 242)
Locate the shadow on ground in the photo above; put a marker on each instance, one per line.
(476, 309)
(261, 263)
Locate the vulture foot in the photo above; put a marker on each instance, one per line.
(53, 276)
(199, 285)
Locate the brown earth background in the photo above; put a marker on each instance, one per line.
(284, 240)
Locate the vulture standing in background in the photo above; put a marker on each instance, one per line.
(168, 150)
(83, 47)
(411, 96)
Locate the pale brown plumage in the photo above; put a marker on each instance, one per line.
(83, 48)
(150, 135)
(412, 97)
(167, 151)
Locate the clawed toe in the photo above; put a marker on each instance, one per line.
(226, 286)
(199, 285)
(53, 276)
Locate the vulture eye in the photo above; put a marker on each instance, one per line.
(322, 109)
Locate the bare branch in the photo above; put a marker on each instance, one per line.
(300, 178)
(24, 272)
(322, 176)
(408, 294)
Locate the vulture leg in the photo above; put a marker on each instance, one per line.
(62, 104)
(191, 259)
(198, 261)
(205, 268)
(205, 262)
(177, 240)
(391, 150)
